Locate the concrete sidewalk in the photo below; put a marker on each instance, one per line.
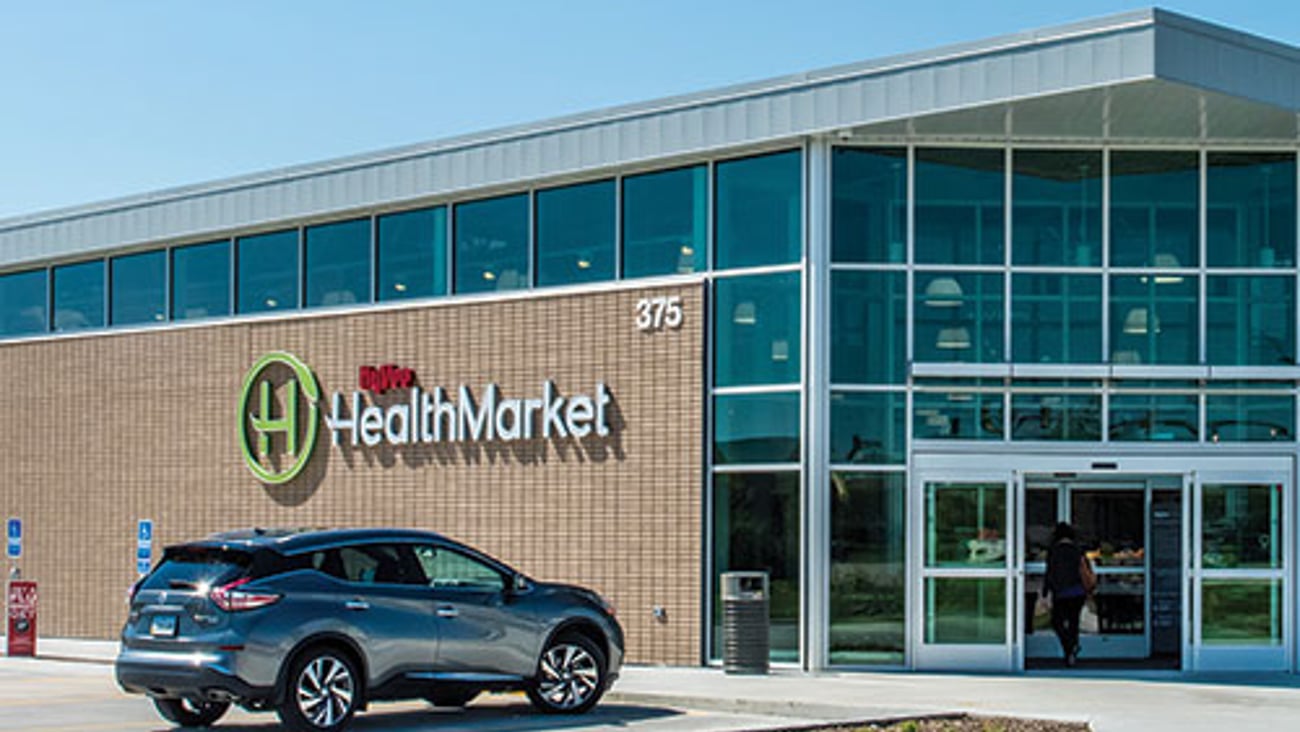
(1149, 702)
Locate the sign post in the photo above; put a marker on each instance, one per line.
(14, 538)
(143, 546)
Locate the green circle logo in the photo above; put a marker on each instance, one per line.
(281, 373)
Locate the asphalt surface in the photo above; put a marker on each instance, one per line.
(59, 696)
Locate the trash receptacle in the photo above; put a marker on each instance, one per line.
(745, 640)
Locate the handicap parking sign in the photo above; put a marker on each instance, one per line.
(14, 534)
(144, 531)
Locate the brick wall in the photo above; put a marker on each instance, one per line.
(103, 430)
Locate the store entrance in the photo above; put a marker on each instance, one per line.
(1131, 528)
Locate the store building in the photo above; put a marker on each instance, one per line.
(873, 329)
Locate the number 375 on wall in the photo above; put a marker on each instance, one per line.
(658, 313)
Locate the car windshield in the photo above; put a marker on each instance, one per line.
(187, 568)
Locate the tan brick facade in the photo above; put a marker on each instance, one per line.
(104, 430)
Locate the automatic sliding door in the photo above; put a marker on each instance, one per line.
(1241, 545)
(966, 579)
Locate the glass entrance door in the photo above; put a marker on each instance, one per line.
(968, 588)
(1240, 565)
(1113, 520)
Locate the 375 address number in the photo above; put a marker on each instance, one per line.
(658, 313)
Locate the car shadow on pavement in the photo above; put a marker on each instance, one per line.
(481, 718)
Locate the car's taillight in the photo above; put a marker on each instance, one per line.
(232, 599)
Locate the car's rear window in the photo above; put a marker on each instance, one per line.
(193, 567)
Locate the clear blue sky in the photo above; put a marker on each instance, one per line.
(106, 99)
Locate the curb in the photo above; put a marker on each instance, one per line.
(774, 708)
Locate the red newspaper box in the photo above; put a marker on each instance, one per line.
(22, 618)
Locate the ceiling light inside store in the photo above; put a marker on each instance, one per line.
(953, 339)
(744, 313)
(781, 350)
(272, 302)
(943, 292)
(489, 275)
(584, 264)
(1139, 321)
(400, 286)
(687, 250)
(1165, 260)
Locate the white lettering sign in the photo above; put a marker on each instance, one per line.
(430, 417)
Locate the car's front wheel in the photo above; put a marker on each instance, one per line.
(570, 676)
(189, 713)
(322, 691)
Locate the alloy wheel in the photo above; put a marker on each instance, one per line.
(325, 691)
(569, 676)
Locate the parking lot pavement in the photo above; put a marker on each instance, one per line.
(58, 696)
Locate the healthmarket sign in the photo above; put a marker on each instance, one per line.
(418, 416)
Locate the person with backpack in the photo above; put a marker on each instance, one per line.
(1069, 580)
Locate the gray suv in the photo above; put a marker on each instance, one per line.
(318, 624)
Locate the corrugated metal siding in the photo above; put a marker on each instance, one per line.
(784, 109)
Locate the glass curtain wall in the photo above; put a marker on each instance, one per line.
(757, 362)
(867, 481)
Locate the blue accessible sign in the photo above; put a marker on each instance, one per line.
(143, 546)
(14, 533)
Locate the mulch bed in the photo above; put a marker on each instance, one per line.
(958, 723)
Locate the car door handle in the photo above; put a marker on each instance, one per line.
(447, 611)
(357, 605)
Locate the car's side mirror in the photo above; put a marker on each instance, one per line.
(520, 584)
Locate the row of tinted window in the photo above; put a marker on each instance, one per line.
(572, 232)
(1056, 209)
(1250, 320)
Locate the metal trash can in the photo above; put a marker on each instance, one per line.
(745, 634)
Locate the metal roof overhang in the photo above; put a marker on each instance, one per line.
(1148, 77)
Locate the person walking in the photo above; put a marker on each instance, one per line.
(1067, 583)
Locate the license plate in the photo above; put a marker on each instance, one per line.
(163, 626)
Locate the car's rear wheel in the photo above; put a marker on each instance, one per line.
(570, 676)
(452, 696)
(322, 693)
(190, 713)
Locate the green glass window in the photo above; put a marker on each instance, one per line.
(1250, 209)
(868, 327)
(868, 427)
(665, 222)
(201, 280)
(1155, 417)
(338, 263)
(1153, 319)
(1242, 612)
(79, 296)
(23, 299)
(759, 210)
(266, 270)
(756, 327)
(965, 610)
(966, 524)
(1249, 417)
(1056, 214)
(412, 249)
(756, 428)
(1241, 526)
(1250, 320)
(960, 200)
(1154, 199)
(575, 234)
(958, 415)
(868, 568)
(958, 317)
(1056, 318)
(869, 204)
(492, 244)
(1056, 416)
(756, 528)
(139, 288)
